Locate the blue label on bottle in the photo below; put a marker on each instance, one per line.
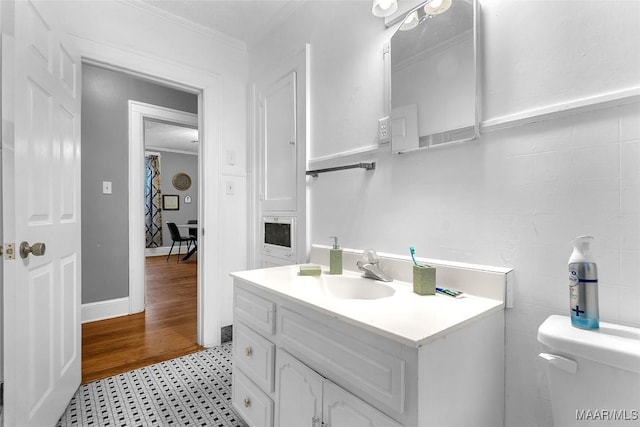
(583, 301)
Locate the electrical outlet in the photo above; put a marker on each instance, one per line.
(384, 131)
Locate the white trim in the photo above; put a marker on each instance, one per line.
(313, 163)
(235, 174)
(550, 112)
(563, 109)
(189, 25)
(360, 150)
(138, 111)
(159, 251)
(172, 150)
(208, 86)
(101, 310)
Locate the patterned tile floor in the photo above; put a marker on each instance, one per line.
(193, 390)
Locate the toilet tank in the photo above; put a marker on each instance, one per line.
(593, 375)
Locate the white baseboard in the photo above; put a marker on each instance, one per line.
(101, 310)
(162, 250)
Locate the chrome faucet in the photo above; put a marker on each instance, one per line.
(369, 267)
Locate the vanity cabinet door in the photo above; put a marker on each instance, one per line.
(342, 409)
(298, 393)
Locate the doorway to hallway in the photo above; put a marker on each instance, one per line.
(165, 330)
(147, 330)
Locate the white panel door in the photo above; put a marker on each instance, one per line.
(342, 409)
(279, 145)
(298, 393)
(41, 199)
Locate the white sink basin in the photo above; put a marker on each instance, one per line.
(349, 287)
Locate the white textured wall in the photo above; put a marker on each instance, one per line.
(515, 197)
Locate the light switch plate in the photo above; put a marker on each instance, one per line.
(106, 187)
(231, 157)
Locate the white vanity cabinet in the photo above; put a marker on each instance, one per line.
(273, 388)
(305, 398)
(300, 360)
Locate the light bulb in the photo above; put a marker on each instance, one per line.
(410, 22)
(435, 7)
(384, 4)
(383, 8)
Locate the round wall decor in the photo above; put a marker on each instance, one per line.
(181, 181)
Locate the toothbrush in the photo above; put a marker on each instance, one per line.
(412, 250)
(450, 292)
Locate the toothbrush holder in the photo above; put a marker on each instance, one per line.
(424, 280)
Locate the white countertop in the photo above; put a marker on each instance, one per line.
(405, 317)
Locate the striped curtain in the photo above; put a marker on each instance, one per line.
(152, 201)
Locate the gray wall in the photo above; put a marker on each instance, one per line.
(171, 164)
(105, 139)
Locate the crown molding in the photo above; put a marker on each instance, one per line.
(189, 25)
(285, 12)
(170, 150)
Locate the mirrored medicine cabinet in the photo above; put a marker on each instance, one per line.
(434, 76)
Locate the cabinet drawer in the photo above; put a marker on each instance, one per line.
(366, 371)
(255, 311)
(254, 355)
(252, 404)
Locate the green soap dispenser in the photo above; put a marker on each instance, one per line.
(335, 257)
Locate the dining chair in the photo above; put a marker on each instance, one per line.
(193, 232)
(177, 237)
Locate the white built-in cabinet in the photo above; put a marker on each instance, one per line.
(278, 155)
(298, 392)
(305, 398)
(294, 366)
(271, 387)
(279, 146)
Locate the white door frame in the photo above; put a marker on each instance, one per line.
(207, 85)
(138, 111)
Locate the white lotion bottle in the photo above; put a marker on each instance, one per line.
(583, 285)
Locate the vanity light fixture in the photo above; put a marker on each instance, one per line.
(410, 22)
(384, 8)
(432, 8)
(436, 7)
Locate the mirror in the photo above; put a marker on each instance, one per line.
(434, 82)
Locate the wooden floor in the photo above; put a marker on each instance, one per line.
(167, 329)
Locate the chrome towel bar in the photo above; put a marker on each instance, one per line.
(367, 166)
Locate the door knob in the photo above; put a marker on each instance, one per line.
(37, 249)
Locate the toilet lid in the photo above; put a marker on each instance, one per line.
(612, 344)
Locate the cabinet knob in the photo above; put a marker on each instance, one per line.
(248, 351)
(247, 402)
